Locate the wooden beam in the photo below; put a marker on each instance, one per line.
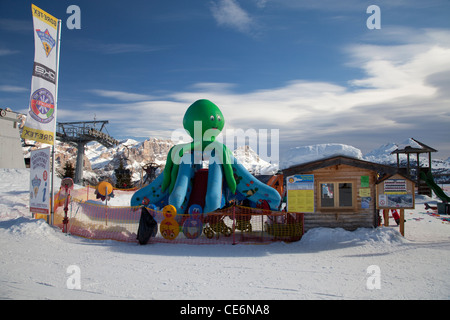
(402, 222)
(429, 160)
(386, 217)
(407, 165)
(418, 170)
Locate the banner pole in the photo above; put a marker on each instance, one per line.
(58, 46)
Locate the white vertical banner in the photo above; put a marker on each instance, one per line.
(41, 119)
(40, 181)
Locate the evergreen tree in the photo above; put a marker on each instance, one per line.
(69, 171)
(123, 177)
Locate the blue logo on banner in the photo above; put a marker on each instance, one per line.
(47, 41)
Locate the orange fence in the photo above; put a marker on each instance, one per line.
(230, 225)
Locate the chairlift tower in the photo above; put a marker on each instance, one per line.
(80, 133)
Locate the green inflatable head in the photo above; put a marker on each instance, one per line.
(205, 117)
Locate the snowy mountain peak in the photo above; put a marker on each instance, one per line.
(129, 142)
(253, 163)
(383, 154)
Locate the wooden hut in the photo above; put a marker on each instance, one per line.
(344, 191)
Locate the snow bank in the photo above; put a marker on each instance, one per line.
(361, 236)
(306, 154)
(26, 227)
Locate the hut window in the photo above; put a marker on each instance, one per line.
(327, 195)
(345, 195)
(336, 194)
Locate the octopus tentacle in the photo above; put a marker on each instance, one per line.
(181, 184)
(228, 170)
(174, 158)
(225, 159)
(167, 171)
(213, 196)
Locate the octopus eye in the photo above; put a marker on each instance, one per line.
(218, 118)
(212, 118)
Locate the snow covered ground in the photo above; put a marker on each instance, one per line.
(37, 261)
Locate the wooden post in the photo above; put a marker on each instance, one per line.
(429, 160)
(234, 225)
(402, 222)
(106, 213)
(407, 165)
(386, 217)
(418, 170)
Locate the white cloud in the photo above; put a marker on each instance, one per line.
(229, 13)
(354, 5)
(116, 48)
(14, 89)
(261, 3)
(6, 52)
(404, 94)
(121, 95)
(15, 25)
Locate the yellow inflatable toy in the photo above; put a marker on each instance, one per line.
(104, 191)
(169, 228)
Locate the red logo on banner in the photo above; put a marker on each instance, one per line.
(42, 106)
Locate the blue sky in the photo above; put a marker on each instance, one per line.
(311, 69)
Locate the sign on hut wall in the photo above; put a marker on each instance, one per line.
(300, 193)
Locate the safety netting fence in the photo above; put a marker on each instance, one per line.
(231, 225)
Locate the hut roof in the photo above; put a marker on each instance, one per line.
(414, 146)
(336, 160)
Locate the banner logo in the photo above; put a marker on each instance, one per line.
(41, 71)
(47, 41)
(42, 106)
